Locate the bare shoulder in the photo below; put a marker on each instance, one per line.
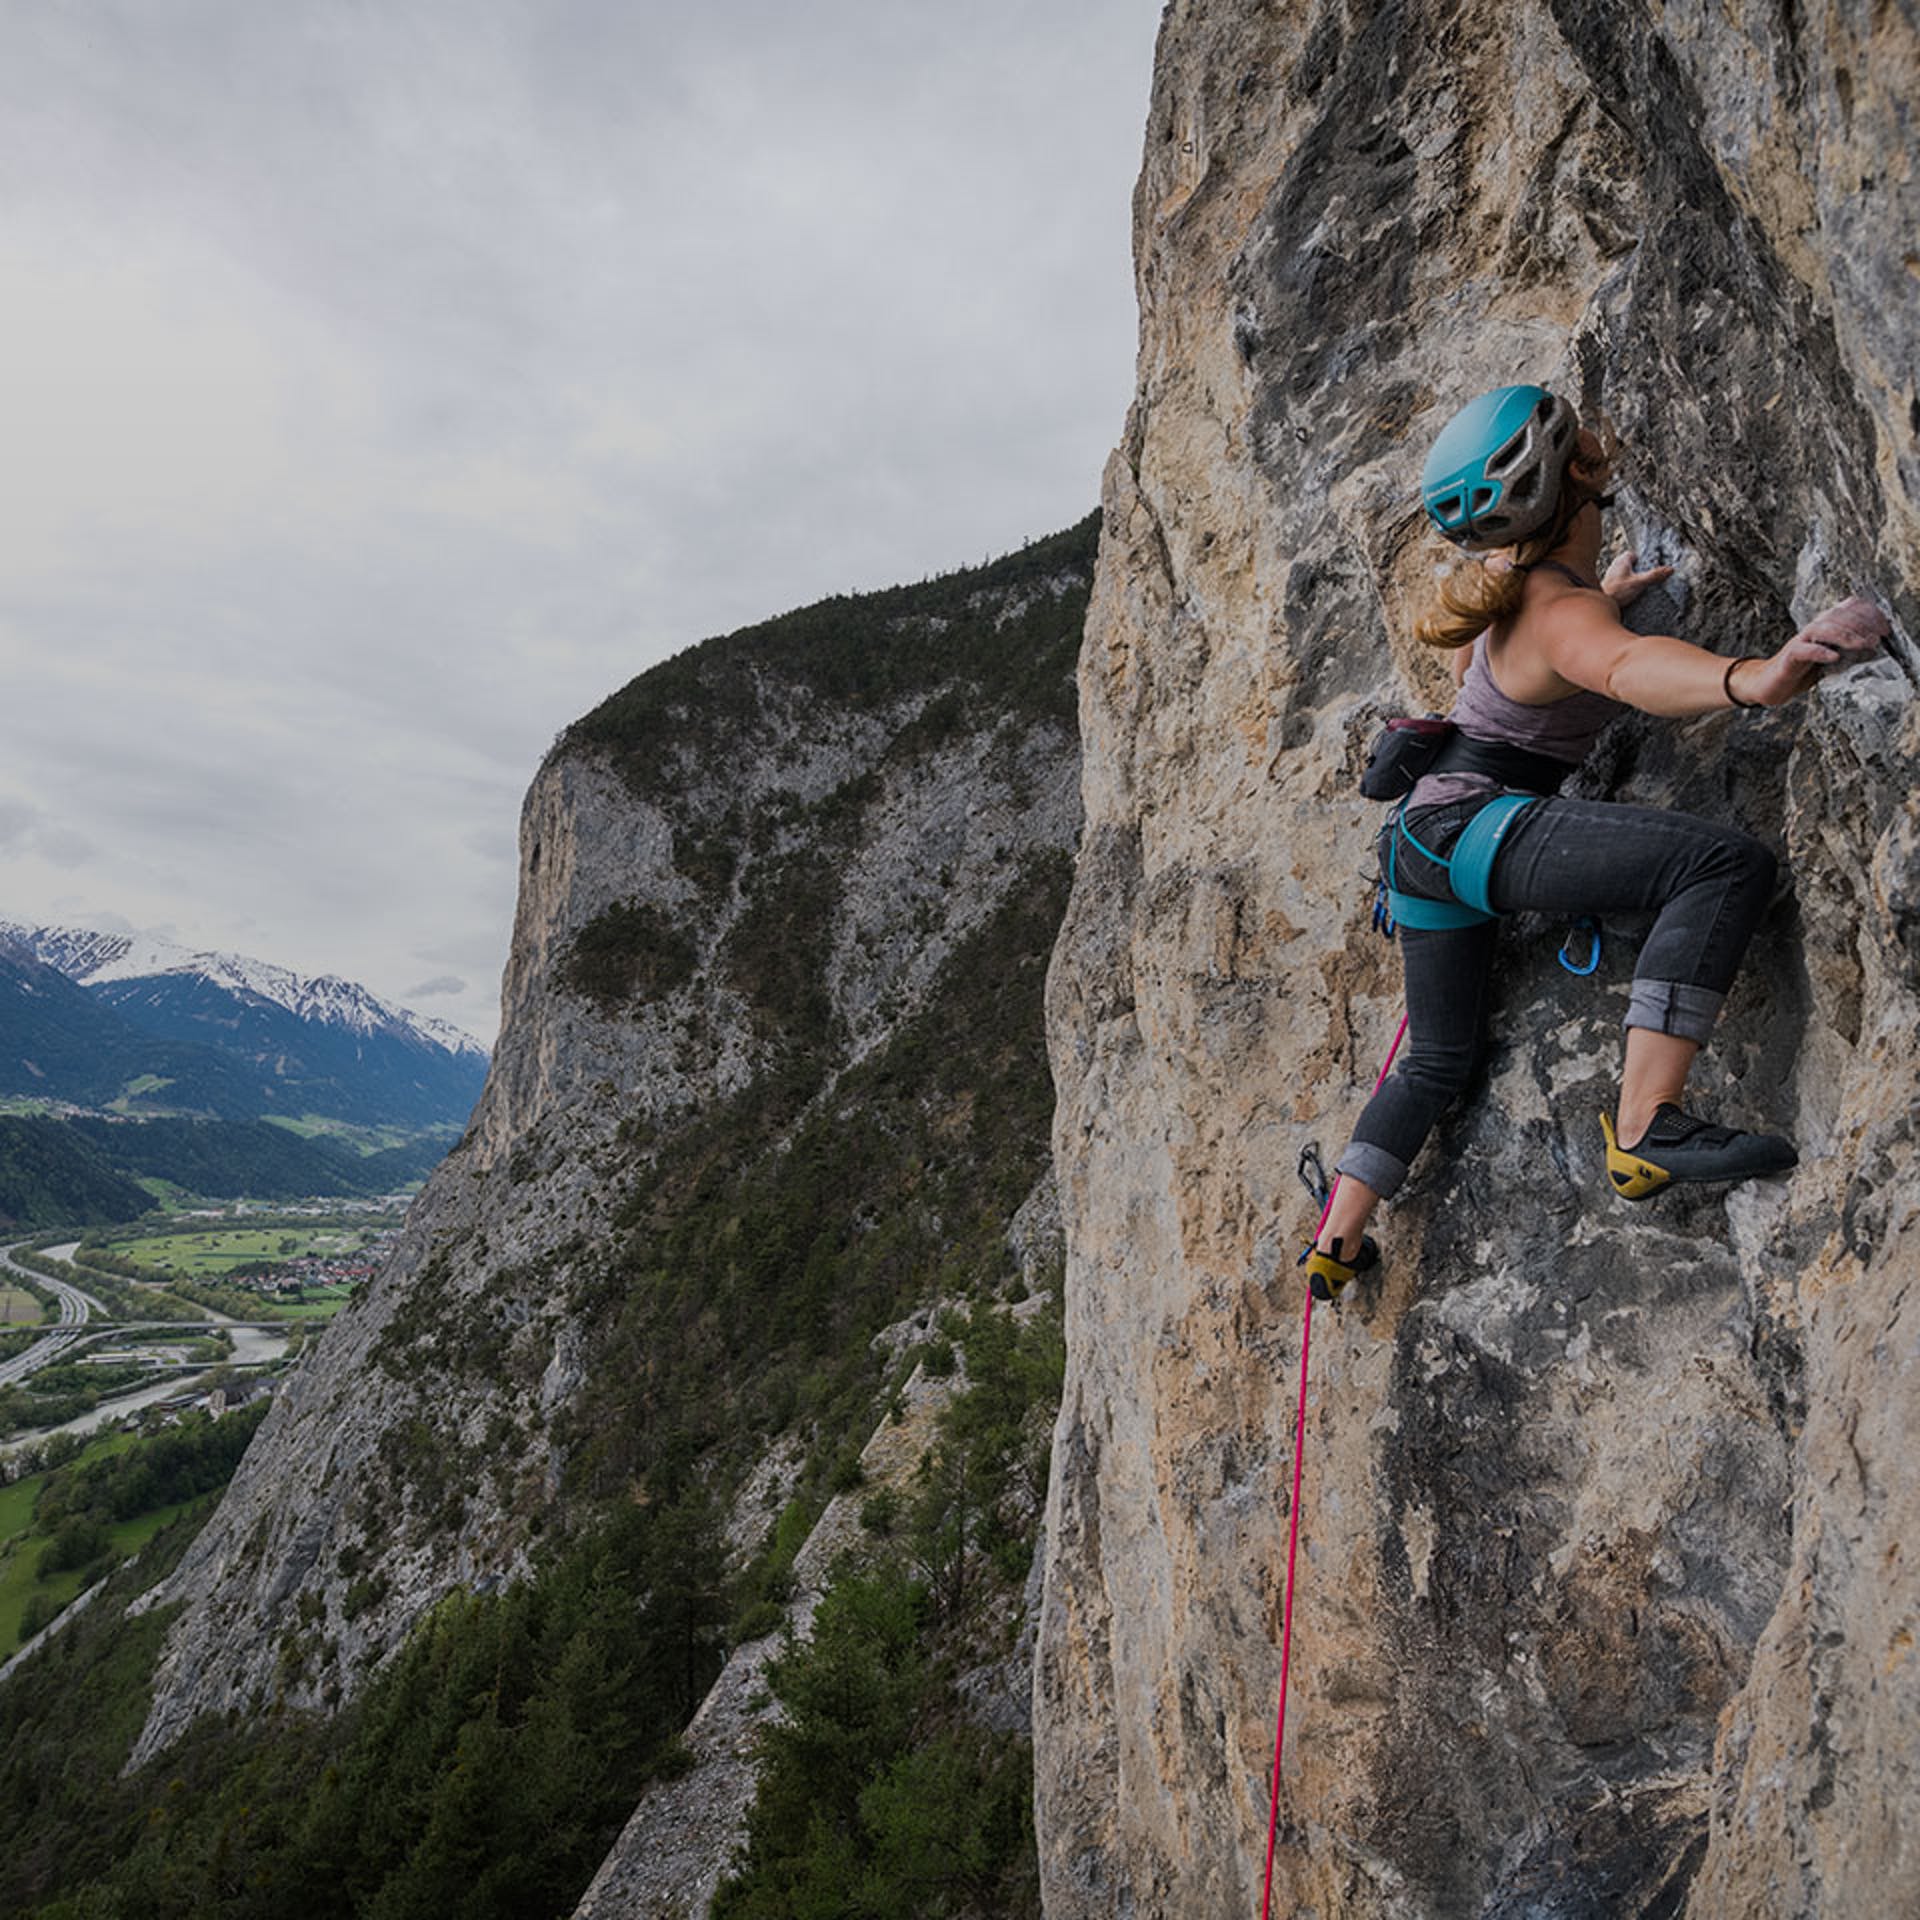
(1561, 606)
(1579, 637)
(1527, 657)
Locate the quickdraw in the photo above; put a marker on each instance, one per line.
(1312, 1175)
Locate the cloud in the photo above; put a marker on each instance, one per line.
(388, 385)
(437, 988)
(118, 923)
(27, 832)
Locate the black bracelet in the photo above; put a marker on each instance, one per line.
(1726, 684)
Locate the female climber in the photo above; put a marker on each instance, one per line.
(1542, 662)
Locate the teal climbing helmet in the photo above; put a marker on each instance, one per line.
(1494, 474)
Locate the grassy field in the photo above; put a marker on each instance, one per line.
(322, 1304)
(16, 1508)
(19, 1308)
(171, 1199)
(363, 1139)
(20, 1556)
(19, 1563)
(214, 1252)
(135, 1090)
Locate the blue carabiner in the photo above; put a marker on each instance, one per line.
(1591, 928)
(1382, 915)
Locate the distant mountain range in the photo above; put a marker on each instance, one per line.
(136, 1025)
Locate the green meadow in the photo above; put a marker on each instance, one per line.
(321, 1303)
(20, 1549)
(182, 1466)
(214, 1252)
(314, 1126)
(19, 1569)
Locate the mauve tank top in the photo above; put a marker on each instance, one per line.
(1561, 729)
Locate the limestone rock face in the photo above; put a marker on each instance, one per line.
(1605, 1605)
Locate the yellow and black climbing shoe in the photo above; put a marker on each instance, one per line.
(1328, 1274)
(1677, 1149)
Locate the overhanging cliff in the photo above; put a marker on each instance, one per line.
(1605, 1601)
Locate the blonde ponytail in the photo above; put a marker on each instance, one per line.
(1473, 597)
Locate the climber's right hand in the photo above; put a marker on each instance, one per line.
(1838, 637)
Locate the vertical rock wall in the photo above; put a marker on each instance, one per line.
(1606, 1606)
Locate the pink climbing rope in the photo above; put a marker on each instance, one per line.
(1293, 1519)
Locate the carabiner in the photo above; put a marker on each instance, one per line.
(1312, 1174)
(1382, 913)
(1591, 928)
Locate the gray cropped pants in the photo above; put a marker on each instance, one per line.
(1706, 885)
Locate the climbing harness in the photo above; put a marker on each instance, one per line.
(1309, 1164)
(1468, 868)
(1469, 871)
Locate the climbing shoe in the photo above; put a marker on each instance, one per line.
(1328, 1274)
(1677, 1149)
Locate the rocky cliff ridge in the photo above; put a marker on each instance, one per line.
(1606, 1600)
(743, 877)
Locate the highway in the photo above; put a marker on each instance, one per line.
(78, 1309)
(84, 1322)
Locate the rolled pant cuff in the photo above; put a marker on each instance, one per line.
(1671, 1006)
(1374, 1166)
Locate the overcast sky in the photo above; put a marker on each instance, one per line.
(385, 383)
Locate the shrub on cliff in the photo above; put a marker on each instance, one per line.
(874, 1799)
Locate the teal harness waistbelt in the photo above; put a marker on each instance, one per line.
(1469, 869)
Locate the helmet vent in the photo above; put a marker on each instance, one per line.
(1502, 461)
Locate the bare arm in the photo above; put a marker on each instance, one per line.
(1586, 645)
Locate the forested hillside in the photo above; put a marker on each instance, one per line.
(51, 1175)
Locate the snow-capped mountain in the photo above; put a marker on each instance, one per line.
(92, 959)
(311, 1045)
(59, 1044)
